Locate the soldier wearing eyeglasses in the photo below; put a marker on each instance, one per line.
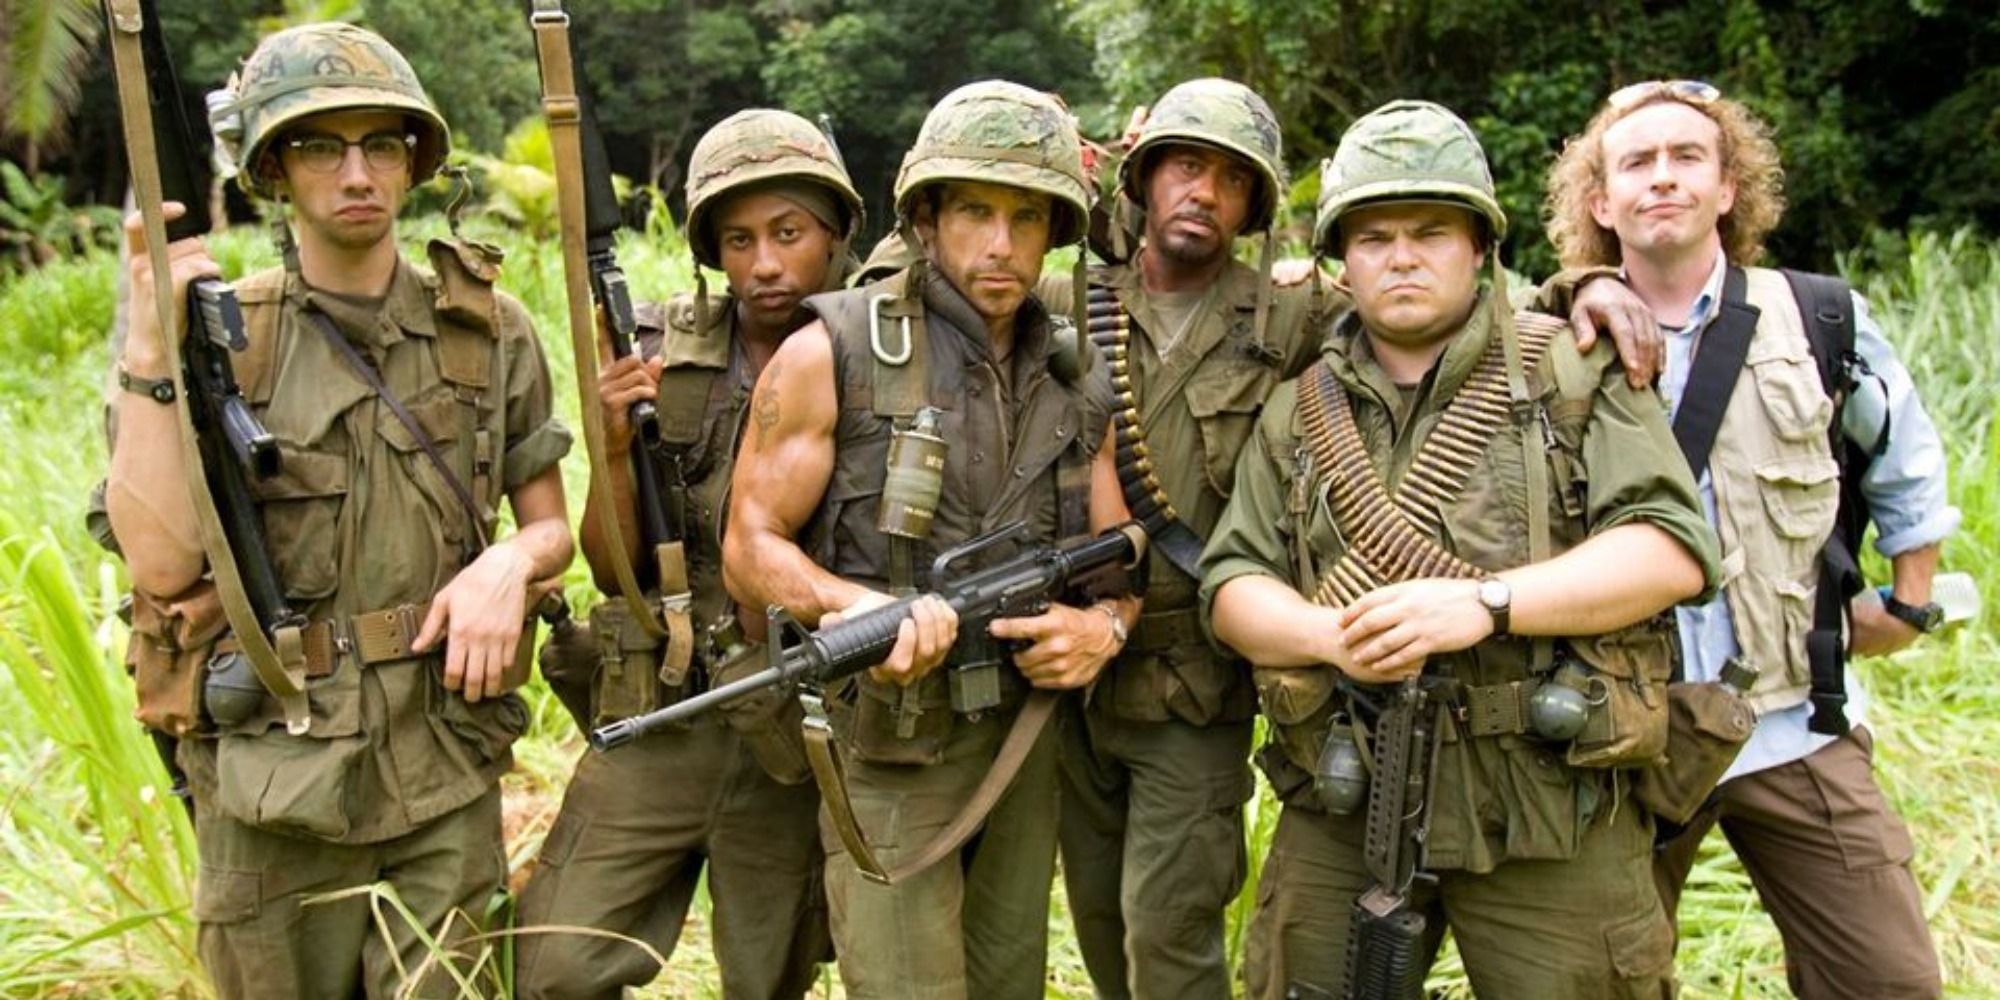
(407, 403)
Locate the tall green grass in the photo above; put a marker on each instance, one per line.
(96, 864)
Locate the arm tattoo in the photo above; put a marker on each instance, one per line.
(765, 407)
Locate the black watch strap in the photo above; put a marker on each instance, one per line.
(1924, 618)
(159, 390)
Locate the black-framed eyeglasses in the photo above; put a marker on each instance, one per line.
(1691, 91)
(323, 154)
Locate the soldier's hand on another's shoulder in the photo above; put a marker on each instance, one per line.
(478, 615)
(621, 383)
(1605, 305)
(923, 640)
(1069, 646)
(188, 259)
(1390, 631)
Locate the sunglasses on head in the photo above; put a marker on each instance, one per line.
(1691, 91)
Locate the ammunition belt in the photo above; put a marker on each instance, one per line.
(1110, 328)
(1392, 537)
(373, 636)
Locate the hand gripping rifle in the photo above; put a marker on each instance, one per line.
(220, 436)
(590, 221)
(1385, 952)
(1022, 585)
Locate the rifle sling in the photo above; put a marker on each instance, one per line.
(367, 373)
(831, 777)
(563, 109)
(278, 659)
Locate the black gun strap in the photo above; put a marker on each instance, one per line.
(367, 373)
(831, 777)
(1712, 379)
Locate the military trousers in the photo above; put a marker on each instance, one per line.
(1831, 861)
(638, 825)
(260, 936)
(1590, 926)
(1152, 847)
(974, 925)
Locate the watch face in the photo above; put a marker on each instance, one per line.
(1495, 594)
(1931, 616)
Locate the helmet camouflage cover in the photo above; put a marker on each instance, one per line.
(313, 69)
(1220, 113)
(1405, 151)
(998, 132)
(756, 145)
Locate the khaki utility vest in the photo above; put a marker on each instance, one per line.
(1777, 492)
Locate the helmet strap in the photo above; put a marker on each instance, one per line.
(461, 195)
(282, 238)
(700, 298)
(1262, 316)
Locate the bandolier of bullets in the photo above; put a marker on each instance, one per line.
(1110, 328)
(1393, 538)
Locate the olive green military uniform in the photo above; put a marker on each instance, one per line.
(1542, 868)
(1155, 758)
(1020, 440)
(396, 779)
(638, 824)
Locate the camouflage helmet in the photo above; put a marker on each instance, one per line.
(760, 144)
(312, 69)
(997, 132)
(1220, 113)
(1405, 151)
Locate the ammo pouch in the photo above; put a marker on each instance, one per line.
(168, 655)
(888, 724)
(1299, 703)
(628, 681)
(1707, 725)
(1627, 671)
(768, 720)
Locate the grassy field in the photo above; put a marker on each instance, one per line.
(96, 865)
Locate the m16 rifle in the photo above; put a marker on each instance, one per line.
(1015, 587)
(1385, 951)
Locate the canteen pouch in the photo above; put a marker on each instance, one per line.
(888, 724)
(1707, 725)
(1627, 675)
(627, 682)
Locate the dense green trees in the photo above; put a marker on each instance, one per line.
(1888, 110)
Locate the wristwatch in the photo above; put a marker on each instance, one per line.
(1498, 599)
(1924, 618)
(159, 390)
(1118, 629)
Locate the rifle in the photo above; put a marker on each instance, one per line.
(1385, 959)
(1022, 585)
(221, 436)
(590, 222)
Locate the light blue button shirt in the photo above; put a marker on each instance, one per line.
(1905, 487)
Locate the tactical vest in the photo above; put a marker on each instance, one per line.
(1777, 493)
(1498, 794)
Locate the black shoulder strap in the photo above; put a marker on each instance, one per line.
(1712, 379)
(1827, 307)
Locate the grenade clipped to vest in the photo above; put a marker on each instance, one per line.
(1560, 706)
(1340, 782)
(915, 478)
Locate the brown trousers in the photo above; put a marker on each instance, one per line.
(637, 827)
(1831, 862)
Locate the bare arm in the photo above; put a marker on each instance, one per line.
(146, 493)
(620, 383)
(480, 612)
(1267, 621)
(1873, 630)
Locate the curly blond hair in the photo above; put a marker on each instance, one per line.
(1749, 158)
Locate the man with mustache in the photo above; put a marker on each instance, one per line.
(954, 360)
(771, 206)
(1679, 185)
(406, 405)
(1455, 496)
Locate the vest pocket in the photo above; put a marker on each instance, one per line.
(1787, 382)
(301, 508)
(1628, 671)
(440, 418)
(1225, 407)
(1801, 495)
(1299, 704)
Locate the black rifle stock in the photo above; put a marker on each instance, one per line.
(1385, 952)
(235, 447)
(1022, 585)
